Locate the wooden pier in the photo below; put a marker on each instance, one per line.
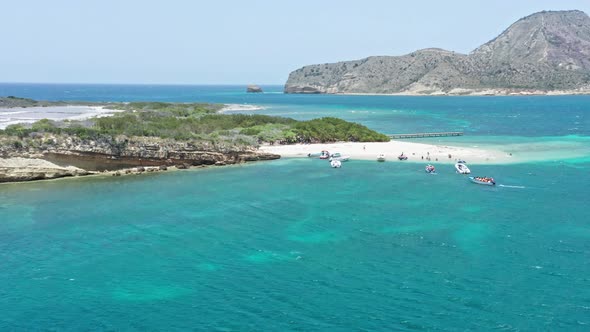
(424, 135)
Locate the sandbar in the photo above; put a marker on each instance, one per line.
(416, 152)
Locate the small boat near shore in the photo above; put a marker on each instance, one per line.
(486, 181)
(335, 164)
(325, 154)
(402, 157)
(462, 168)
(314, 155)
(381, 157)
(340, 158)
(430, 169)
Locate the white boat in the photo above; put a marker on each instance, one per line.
(341, 158)
(462, 168)
(381, 157)
(336, 164)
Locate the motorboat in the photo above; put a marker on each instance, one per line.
(462, 168)
(402, 157)
(335, 155)
(430, 169)
(325, 154)
(314, 155)
(341, 158)
(486, 181)
(336, 164)
(381, 157)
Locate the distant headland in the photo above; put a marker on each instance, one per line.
(544, 53)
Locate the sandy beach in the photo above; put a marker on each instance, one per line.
(416, 152)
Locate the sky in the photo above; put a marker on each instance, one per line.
(234, 42)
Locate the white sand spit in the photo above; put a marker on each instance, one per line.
(416, 152)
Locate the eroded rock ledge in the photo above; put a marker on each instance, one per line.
(49, 156)
(26, 169)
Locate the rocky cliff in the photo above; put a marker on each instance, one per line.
(121, 152)
(547, 52)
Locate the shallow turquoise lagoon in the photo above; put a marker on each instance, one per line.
(297, 245)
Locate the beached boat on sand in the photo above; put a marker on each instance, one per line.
(341, 158)
(482, 180)
(462, 168)
(381, 157)
(314, 155)
(402, 157)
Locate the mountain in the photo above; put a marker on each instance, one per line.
(546, 52)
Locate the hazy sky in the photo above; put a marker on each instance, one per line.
(225, 42)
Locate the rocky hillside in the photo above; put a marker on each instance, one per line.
(547, 52)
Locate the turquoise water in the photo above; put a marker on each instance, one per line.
(294, 245)
(297, 245)
(476, 116)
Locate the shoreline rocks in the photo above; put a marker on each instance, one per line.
(54, 156)
(27, 169)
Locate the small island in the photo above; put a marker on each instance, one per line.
(153, 136)
(252, 88)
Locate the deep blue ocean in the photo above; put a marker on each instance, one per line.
(294, 245)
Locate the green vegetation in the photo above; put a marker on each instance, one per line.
(201, 122)
(333, 129)
(178, 109)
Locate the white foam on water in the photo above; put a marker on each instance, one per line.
(57, 113)
(241, 108)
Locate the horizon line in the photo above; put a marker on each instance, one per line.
(170, 84)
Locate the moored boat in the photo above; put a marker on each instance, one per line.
(341, 158)
(462, 168)
(430, 169)
(325, 154)
(314, 155)
(482, 180)
(336, 164)
(381, 157)
(402, 157)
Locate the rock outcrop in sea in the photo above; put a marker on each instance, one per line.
(547, 52)
(254, 89)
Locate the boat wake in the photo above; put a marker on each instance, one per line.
(507, 186)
